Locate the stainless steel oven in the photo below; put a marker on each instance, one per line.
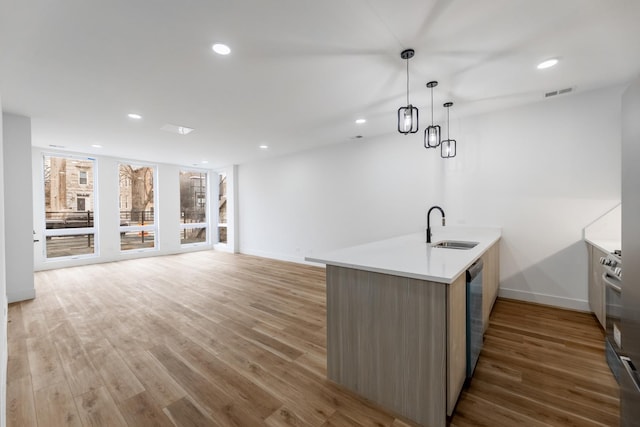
(613, 312)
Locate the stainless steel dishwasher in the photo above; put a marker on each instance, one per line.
(475, 328)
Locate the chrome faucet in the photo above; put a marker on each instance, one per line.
(429, 221)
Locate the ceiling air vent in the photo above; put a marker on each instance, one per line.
(180, 130)
(558, 92)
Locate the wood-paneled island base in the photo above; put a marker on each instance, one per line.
(387, 340)
(400, 341)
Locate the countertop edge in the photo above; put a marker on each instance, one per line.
(391, 272)
(430, 278)
(604, 245)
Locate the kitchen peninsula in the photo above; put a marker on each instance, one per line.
(396, 318)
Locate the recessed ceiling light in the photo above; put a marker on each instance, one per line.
(96, 145)
(547, 64)
(134, 116)
(221, 49)
(204, 162)
(361, 121)
(264, 147)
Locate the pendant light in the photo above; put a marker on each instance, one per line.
(432, 133)
(448, 146)
(407, 116)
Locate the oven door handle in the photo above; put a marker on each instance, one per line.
(606, 279)
(628, 366)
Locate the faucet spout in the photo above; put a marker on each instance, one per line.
(429, 220)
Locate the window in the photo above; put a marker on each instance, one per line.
(222, 208)
(69, 215)
(138, 227)
(193, 207)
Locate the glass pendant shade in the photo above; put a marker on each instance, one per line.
(408, 119)
(407, 116)
(448, 146)
(432, 136)
(432, 133)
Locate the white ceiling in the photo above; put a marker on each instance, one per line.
(300, 71)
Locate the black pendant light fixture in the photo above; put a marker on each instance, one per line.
(432, 133)
(448, 146)
(407, 116)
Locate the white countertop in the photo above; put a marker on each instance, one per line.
(605, 233)
(605, 245)
(410, 256)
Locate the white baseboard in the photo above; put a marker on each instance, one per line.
(280, 257)
(21, 295)
(562, 302)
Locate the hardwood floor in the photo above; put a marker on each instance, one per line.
(209, 338)
(540, 366)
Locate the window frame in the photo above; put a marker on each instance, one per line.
(219, 224)
(79, 231)
(207, 224)
(138, 228)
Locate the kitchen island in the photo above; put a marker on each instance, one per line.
(396, 318)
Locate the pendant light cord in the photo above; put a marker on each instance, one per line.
(448, 126)
(407, 81)
(431, 106)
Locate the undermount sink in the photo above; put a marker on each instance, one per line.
(455, 244)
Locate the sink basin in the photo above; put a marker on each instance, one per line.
(455, 244)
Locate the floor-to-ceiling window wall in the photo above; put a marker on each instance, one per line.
(103, 209)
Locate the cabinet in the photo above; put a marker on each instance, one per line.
(596, 285)
(490, 281)
(397, 341)
(456, 340)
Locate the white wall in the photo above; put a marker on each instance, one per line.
(167, 212)
(345, 194)
(3, 294)
(542, 172)
(19, 203)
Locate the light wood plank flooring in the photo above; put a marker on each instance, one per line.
(540, 366)
(209, 338)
